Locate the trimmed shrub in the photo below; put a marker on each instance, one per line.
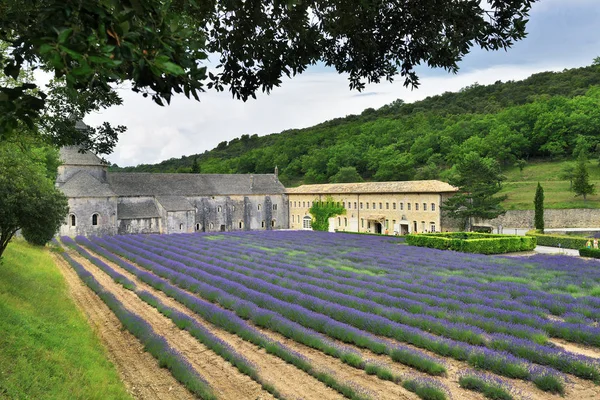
(469, 242)
(566, 242)
(593, 253)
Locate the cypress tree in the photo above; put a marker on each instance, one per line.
(538, 219)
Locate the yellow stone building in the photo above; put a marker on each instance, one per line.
(375, 207)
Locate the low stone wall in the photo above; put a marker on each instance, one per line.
(568, 218)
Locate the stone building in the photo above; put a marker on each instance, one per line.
(108, 203)
(376, 207)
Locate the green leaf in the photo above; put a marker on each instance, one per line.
(85, 69)
(64, 35)
(46, 48)
(171, 68)
(74, 54)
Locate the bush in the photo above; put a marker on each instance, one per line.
(566, 242)
(593, 253)
(470, 242)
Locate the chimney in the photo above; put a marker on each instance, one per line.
(276, 173)
(251, 182)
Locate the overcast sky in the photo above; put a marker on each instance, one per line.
(562, 34)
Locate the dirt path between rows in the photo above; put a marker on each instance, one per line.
(138, 370)
(268, 365)
(576, 389)
(577, 348)
(225, 380)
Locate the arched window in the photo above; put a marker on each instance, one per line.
(197, 227)
(263, 224)
(73, 220)
(307, 222)
(95, 219)
(259, 207)
(241, 224)
(272, 223)
(219, 209)
(180, 227)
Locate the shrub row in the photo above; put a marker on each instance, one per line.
(564, 241)
(234, 324)
(480, 244)
(593, 253)
(181, 320)
(153, 343)
(500, 363)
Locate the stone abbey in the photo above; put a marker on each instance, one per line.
(108, 203)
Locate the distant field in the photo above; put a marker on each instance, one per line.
(520, 186)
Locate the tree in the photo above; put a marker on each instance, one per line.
(160, 48)
(345, 175)
(581, 178)
(28, 199)
(478, 180)
(58, 122)
(195, 166)
(520, 163)
(538, 202)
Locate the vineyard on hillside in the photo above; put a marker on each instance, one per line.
(314, 315)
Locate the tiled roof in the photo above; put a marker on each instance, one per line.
(149, 184)
(136, 210)
(83, 184)
(174, 203)
(432, 186)
(70, 155)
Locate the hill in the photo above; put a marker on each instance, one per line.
(540, 118)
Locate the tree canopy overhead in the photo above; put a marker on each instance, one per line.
(162, 47)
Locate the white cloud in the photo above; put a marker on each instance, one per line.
(562, 34)
(187, 127)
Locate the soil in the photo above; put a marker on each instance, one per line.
(138, 370)
(225, 380)
(576, 348)
(289, 380)
(271, 366)
(294, 383)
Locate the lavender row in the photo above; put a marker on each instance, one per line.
(565, 267)
(234, 324)
(576, 331)
(181, 320)
(477, 266)
(282, 276)
(576, 328)
(499, 362)
(581, 366)
(153, 343)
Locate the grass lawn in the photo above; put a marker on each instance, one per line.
(520, 186)
(47, 348)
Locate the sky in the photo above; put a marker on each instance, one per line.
(561, 34)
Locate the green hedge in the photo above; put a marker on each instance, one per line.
(585, 252)
(473, 242)
(566, 242)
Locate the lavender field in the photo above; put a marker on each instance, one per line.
(363, 316)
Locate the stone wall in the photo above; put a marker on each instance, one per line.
(83, 210)
(568, 218)
(139, 225)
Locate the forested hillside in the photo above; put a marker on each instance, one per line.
(544, 116)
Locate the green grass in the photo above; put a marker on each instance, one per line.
(520, 186)
(47, 348)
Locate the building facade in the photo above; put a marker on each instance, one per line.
(375, 207)
(108, 203)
